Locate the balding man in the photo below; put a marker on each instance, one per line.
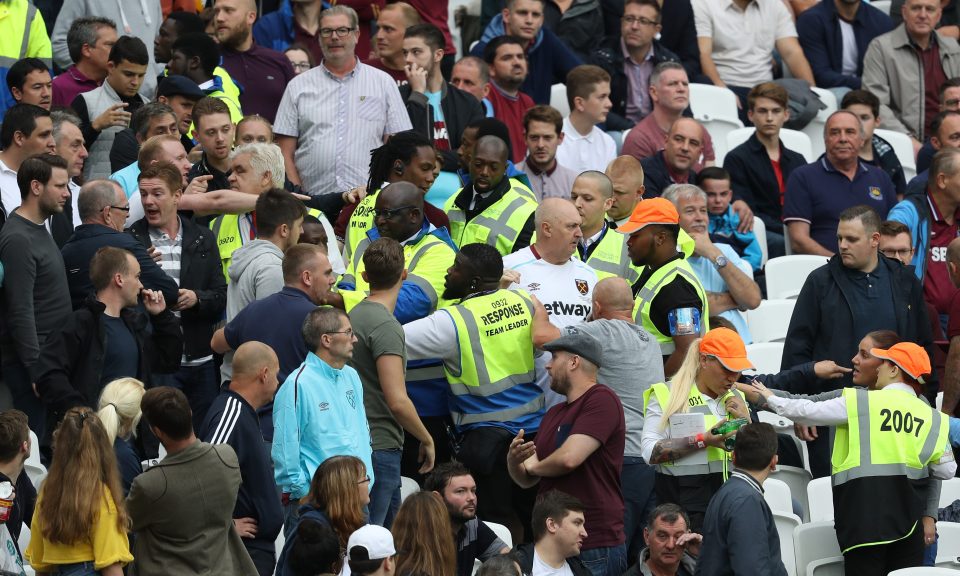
(547, 269)
(674, 164)
(951, 371)
(492, 209)
(626, 175)
(600, 247)
(103, 208)
(232, 419)
(393, 20)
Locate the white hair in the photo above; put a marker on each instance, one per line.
(264, 158)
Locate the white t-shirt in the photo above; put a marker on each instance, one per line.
(541, 568)
(580, 153)
(566, 291)
(848, 65)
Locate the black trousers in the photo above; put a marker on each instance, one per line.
(884, 558)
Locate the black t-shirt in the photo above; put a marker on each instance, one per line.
(121, 357)
(476, 541)
(676, 294)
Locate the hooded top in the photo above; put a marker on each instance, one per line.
(255, 272)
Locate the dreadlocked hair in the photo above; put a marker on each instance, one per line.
(401, 146)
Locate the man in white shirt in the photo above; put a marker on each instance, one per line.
(27, 130)
(558, 531)
(586, 147)
(547, 269)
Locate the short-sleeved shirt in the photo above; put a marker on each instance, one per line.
(378, 334)
(743, 40)
(712, 281)
(476, 541)
(337, 122)
(817, 193)
(596, 481)
(581, 153)
(937, 287)
(647, 138)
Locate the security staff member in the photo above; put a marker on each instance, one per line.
(670, 301)
(492, 209)
(485, 343)
(889, 452)
(601, 247)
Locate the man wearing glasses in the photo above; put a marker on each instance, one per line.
(331, 116)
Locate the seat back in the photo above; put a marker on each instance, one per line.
(408, 486)
(786, 274)
(769, 321)
(797, 479)
(766, 356)
(501, 531)
(816, 547)
(777, 494)
(787, 523)
(903, 148)
(820, 497)
(760, 230)
(558, 99)
(948, 544)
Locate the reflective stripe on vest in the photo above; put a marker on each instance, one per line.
(360, 221)
(499, 225)
(696, 403)
(644, 301)
(419, 250)
(226, 228)
(609, 257)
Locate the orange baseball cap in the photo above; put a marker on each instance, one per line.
(652, 211)
(909, 357)
(726, 346)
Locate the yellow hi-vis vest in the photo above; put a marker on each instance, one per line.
(608, 257)
(360, 221)
(660, 278)
(499, 225)
(226, 227)
(717, 459)
(880, 465)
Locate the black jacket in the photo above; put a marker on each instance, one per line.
(753, 180)
(525, 559)
(71, 360)
(200, 271)
(609, 56)
(679, 35)
(656, 176)
(459, 109)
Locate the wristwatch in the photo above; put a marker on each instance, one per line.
(720, 261)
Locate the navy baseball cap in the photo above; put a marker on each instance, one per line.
(175, 85)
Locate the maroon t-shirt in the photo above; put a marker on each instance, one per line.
(596, 482)
(399, 76)
(938, 289)
(510, 111)
(933, 77)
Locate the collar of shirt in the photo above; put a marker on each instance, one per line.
(628, 59)
(209, 169)
(79, 76)
(350, 74)
(571, 133)
(5, 168)
(206, 85)
(901, 387)
(158, 234)
(298, 29)
(880, 271)
(737, 473)
(537, 171)
(588, 242)
(828, 166)
(935, 211)
(933, 43)
(502, 93)
(732, 4)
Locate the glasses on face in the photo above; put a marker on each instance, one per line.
(121, 208)
(348, 332)
(389, 213)
(300, 65)
(634, 20)
(363, 480)
(896, 254)
(340, 32)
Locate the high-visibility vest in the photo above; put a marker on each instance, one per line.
(880, 465)
(717, 459)
(24, 36)
(661, 277)
(360, 222)
(499, 225)
(492, 382)
(608, 257)
(226, 227)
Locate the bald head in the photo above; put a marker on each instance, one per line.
(251, 357)
(492, 145)
(612, 298)
(598, 181)
(558, 230)
(401, 194)
(553, 209)
(626, 175)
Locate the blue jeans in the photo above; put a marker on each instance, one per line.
(291, 517)
(611, 561)
(79, 569)
(385, 492)
(639, 499)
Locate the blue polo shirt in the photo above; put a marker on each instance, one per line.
(817, 193)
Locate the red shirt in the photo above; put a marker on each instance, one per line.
(399, 76)
(778, 172)
(310, 41)
(596, 482)
(937, 287)
(933, 77)
(510, 111)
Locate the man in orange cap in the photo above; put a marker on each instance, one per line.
(670, 301)
(889, 447)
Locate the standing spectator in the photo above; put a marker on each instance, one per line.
(180, 94)
(263, 71)
(26, 131)
(671, 548)
(109, 337)
(675, 163)
(181, 509)
(579, 448)
(724, 222)
(195, 56)
(80, 522)
(106, 110)
(232, 420)
(549, 59)
(875, 150)
(319, 412)
(69, 145)
(471, 74)
(543, 134)
(760, 168)
(325, 148)
(89, 41)
(559, 531)
(215, 133)
(835, 35)
(818, 192)
(188, 254)
(626, 175)
(36, 296)
(508, 70)
(174, 25)
(739, 533)
(278, 31)
(25, 36)
(420, 532)
(119, 410)
(679, 34)
(580, 25)
(473, 539)
(15, 446)
(152, 119)
(389, 55)
(29, 82)
(586, 147)
(951, 383)
(252, 129)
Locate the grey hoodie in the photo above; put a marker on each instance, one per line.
(255, 272)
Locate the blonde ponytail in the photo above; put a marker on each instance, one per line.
(119, 407)
(681, 383)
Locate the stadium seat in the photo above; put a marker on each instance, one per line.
(760, 229)
(786, 274)
(558, 99)
(408, 486)
(769, 321)
(787, 523)
(23, 542)
(34, 468)
(925, 571)
(777, 494)
(501, 531)
(766, 356)
(716, 109)
(949, 492)
(939, 400)
(948, 545)
(817, 550)
(795, 140)
(903, 147)
(820, 497)
(814, 130)
(882, 5)
(797, 479)
(781, 423)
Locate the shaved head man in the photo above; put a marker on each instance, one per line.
(558, 230)
(592, 195)
(626, 174)
(489, 165)
(613, 299)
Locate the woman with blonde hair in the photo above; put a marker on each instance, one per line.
(421, 536)
(80, 523)
(119, 411)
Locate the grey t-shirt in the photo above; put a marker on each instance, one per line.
(638, 365)
(378, 333)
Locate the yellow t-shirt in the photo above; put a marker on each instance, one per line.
(106, 544)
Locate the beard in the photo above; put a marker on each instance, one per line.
(235, 37)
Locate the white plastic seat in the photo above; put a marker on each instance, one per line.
(769, 321)
(781, 423)
(949, 492)
(719, 128)
(820, 497)
(502, 532)
(709, 102)
(777, 494)
(882, 5)
(760, 230)
(794, 140)
(787, 523)
(558, 99)
(903, 147)
(817, 550)
(925, 571)
(408, 486)
(766, 356)
(814, 130)
(948, 544)
(786, 274)
(797, 479)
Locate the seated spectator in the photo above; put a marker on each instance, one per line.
(29, 82)
(947, 25)
(390, 57)
(585, 146)
(253, 128)
(818, 192)
(875, 150)
(106, 110)
(949, 101)
(724, 221)
(119, 410)
(195, 56)
(370, 552)
(674, 164)
(543, 132)
(945, 132)
(630, 60)
(15, 447)
(727, 278)
(558, 532)
(760, 167)
(671, 548)
(670, 97)
(152, 119)
(214, 132)
(679, 35)
(316, 551)
(181, 508)
(472, 75)
(508, 70)
(109, 337)
(834, 36)
(300, 58)
(89, 41)
(626, 175)
(80, 521)
(421, 533)
(501, 565)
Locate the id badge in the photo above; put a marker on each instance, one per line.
(684, 322)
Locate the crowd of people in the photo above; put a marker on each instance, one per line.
(264, 262)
